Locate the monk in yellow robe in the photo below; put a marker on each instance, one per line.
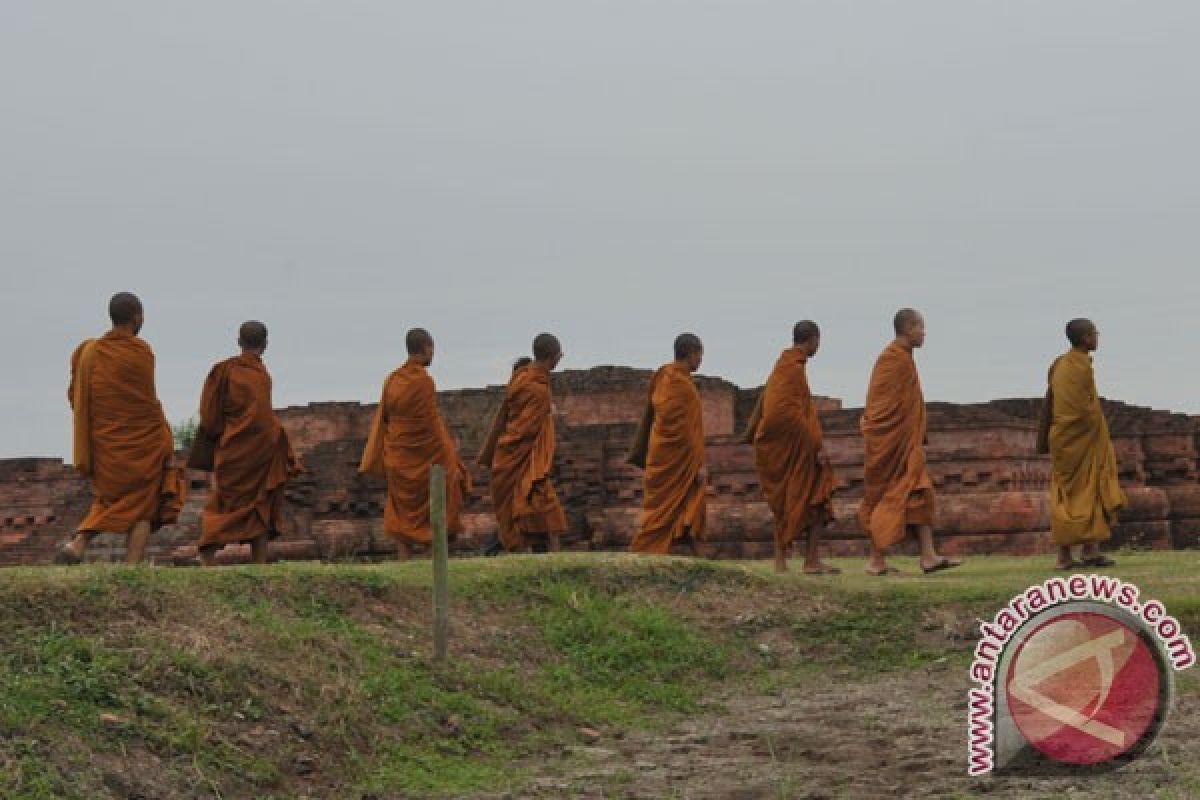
(1085, 494)
(522, 458)
(669, 446)
(408, 437)
(252, 456)
(898, 493)
(796, 476)
(122, 440)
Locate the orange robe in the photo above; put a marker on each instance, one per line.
(898, 491)
(797, 482)
(122, 439)
(674, 497)
(522, 492)
(407, 438)
(253, 458)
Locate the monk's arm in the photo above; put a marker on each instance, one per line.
(210, 402)
(488, 452)
(641, 439)
(74, 370)
(372, 459)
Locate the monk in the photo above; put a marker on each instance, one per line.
(123, 442)
(1085, 494)
(669, 446)
(526, 504)
(796, 476)
(898, 495)
(492, 545)
(408, 437)
(253, 459)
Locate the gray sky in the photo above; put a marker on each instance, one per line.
(612, 171)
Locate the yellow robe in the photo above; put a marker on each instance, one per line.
(1085, 494)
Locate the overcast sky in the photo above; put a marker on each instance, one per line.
(615, 172)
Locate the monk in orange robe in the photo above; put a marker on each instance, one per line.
(252, 457)
(796, 476)
(123, 442)
(492, 545)
(669, 446)
(522, 459)
(898, 494)
(407, 438)
(1085, 493)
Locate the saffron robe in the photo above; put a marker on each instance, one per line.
(672, 455)
(898, 491)
(122, 440)
(787, 438)
(408, 437)
(253, 456)
(522, 492)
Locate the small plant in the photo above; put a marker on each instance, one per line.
(185, 433)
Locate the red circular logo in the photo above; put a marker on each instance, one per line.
(1084, 688)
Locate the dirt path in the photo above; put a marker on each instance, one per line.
(902, 736)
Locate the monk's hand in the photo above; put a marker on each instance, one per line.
(702, 476)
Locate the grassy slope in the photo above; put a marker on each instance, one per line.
(314, 680)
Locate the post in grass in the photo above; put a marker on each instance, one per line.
(441, 567)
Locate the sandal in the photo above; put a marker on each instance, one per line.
(1099, 561)
(824, 569)
(67, 557)
(1070, 565)
(944, 563)
(883, 572)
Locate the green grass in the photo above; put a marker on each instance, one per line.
(219, 683)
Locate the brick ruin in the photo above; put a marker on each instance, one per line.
(992, 487)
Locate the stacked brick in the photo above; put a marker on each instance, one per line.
(991, 485)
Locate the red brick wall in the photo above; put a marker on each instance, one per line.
(991, 485)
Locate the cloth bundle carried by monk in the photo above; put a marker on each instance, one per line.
(408, 436)
(253, 458)
(522, 455)
(671, 450)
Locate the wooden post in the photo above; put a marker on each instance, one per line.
(441, 567)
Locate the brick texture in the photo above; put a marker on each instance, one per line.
(991, 485)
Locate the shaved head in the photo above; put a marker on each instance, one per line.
(546, 346)
(252, 335)
(522, 362)
(416, 340)
(687, 344)
(904, 320)
(124, 308)
(1078, 331)
(805, 331)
